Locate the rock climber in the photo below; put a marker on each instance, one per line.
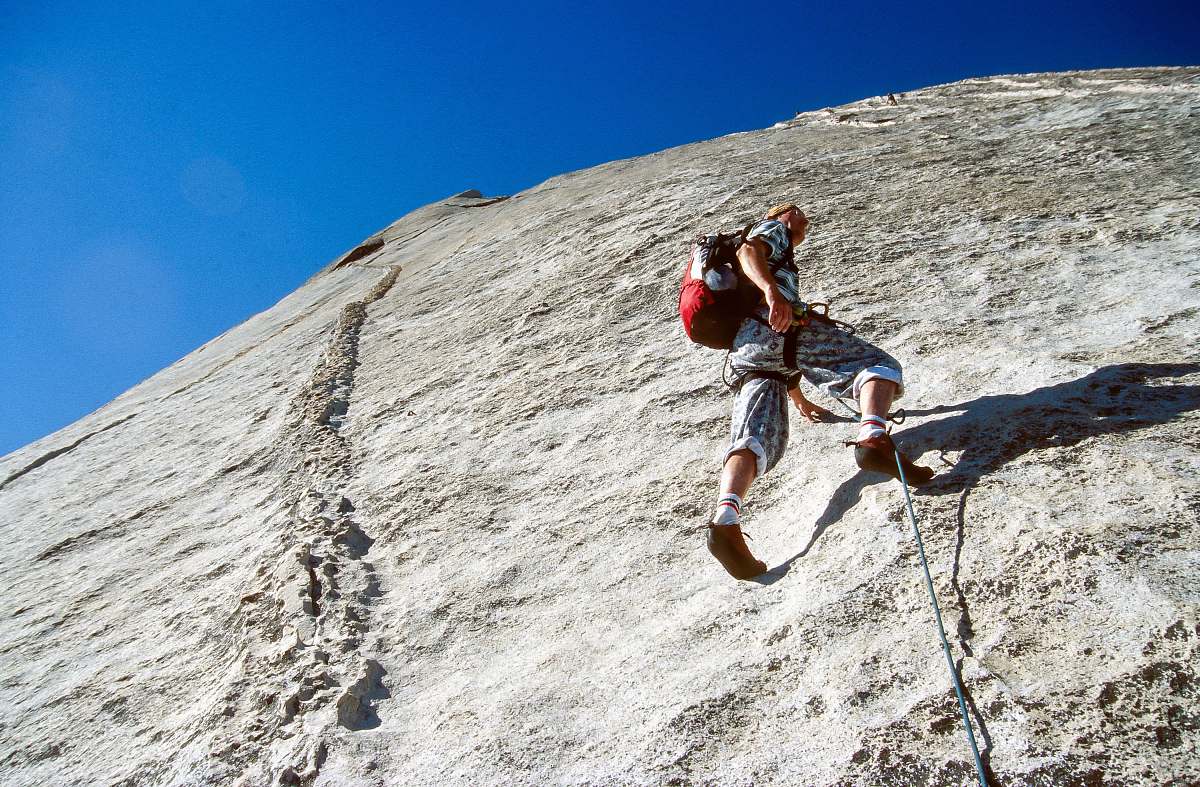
(829, 357)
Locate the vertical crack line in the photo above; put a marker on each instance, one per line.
(335, 583)
(314, 586)
(319, 411)
(383, 285)
(342, 357)
(964, 629)
(326, 400)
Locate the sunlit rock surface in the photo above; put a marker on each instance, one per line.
(431, 519)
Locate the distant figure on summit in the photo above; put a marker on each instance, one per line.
(781, 341)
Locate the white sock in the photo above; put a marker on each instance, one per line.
(729, 510)
(872, 426)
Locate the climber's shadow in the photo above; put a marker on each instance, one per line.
(844, 498)
(993, 430)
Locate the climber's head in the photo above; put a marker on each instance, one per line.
(793, 218)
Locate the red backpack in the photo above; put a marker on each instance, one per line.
(715, 297)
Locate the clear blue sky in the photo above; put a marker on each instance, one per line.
(168, 170)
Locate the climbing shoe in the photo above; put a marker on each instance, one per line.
(727, 545)
(878, 454)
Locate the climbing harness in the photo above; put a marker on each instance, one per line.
(802, 315)
(734, 381)
(818, 311)
(937, 613)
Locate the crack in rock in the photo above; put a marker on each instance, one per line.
(307, 629)
(44, 458)
(362, 251)
(485, 201)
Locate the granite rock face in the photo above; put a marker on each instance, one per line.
(432, 518)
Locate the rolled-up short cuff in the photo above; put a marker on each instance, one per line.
(879, 373)
(750, 444)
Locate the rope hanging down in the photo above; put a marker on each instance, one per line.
(937, 613)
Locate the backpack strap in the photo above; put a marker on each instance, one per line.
(789, 259)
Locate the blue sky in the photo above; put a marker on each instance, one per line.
(167, 170)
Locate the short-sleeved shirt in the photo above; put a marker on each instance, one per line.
(775, 234)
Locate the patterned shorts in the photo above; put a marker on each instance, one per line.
(834, 361)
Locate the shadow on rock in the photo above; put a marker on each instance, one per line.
(356, 706)
(993, 430)
(844, 498)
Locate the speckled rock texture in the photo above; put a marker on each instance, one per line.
(432, 519)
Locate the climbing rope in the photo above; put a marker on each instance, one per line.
(937, 613)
